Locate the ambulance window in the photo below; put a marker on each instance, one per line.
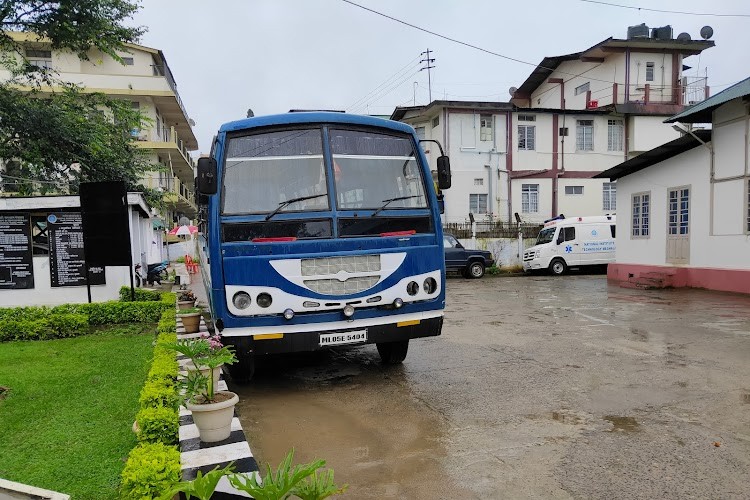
(569, 233)
(612, 230)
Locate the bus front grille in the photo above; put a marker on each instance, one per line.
(348, 287)
(326, 266)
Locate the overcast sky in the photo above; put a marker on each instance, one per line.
(276, 55)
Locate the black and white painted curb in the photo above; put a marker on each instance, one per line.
(198, 456)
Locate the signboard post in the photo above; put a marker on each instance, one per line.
(16, 263)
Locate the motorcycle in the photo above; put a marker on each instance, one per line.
(155, 273)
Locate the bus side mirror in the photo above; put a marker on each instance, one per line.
(207, 176)
(444, 172)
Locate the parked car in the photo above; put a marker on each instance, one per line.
(471, 263)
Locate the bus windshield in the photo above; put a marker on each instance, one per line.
(373, 169)
(264, 171)
(545, 235)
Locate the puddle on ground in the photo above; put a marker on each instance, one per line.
(622, 424)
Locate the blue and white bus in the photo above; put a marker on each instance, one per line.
(320, 229)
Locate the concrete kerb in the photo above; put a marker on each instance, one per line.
(198, 456)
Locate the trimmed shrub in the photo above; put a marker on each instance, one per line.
(141, 295)
(158, 425)
(113, 312)
(69, 325)
(165, 365)
(151, 469)
(159, 392)
(54, 325)
(168, 322)
(169, 298)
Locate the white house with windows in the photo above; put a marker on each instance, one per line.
(574, 116)
(688, 202)
(579, 114)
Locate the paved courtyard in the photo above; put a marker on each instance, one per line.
(539, 387)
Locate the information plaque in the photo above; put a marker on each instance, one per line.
(66, 252)
(16, 263)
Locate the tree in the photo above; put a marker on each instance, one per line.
(57, 132)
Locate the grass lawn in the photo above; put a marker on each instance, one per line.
(65, 423)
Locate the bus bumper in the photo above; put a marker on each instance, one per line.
(311, 341)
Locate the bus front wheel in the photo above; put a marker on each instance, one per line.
(243, 370)
(393, 353)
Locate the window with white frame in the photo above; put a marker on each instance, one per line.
(529, 198)
(526, 137)
(485, 127)
(436, 121)
(573, 189)
(526, 118)
(641, 215)
(649, 72)
(585, 135)
(615, 135)
(479, 181)
(128, 61)
(609, 196)
(582, 89)
(478, 203)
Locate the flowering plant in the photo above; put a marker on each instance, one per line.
(186, 296)
(205, 352)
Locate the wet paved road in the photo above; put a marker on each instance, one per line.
(539, 387)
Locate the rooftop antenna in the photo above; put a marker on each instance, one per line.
(512, 91)
(707, 32)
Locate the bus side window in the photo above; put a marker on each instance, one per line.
(570, 233)
(612, 230)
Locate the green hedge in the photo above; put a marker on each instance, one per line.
(151, 469)
(53, 326)
(154, 465)
(141, 295)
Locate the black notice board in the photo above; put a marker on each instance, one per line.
(106, 225)
(16, 262)
(66, 253)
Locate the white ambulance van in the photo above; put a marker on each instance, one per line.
(572, 242)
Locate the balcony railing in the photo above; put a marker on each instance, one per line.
(175, 191)
(165, 134)
(163, 70)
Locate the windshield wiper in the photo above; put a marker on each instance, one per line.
(293, 200)
(389, 200)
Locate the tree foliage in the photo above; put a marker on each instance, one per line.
(55, 132)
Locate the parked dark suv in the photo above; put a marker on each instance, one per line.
(471, 263)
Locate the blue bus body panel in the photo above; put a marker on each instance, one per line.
(244, 263)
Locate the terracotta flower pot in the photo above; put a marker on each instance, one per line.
(191, 322)
(214, 420)
(185, 304)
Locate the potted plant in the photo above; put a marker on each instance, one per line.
(185, 299)
(212, 410)
(198, 350)
(191, 319)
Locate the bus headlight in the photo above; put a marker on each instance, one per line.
(242, 300)
(430, 285)
(264, 300)
(349, 310)
(412, 288)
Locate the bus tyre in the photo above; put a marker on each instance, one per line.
(243, 370)
(475, 270)
(393, 353)
(558, 267)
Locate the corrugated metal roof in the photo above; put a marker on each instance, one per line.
(656, 155)
(701, 112)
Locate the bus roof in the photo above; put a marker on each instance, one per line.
(314, 117)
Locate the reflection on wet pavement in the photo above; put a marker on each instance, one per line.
(539, 387)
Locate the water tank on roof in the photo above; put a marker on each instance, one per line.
(640, 31)
(663, 33)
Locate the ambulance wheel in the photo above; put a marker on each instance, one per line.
(558, 267)
(393, 353)
(243, 370)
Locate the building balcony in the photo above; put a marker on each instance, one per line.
(168, 144)
(177, 194)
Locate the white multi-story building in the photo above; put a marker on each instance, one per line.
(574, 116)
(147, 82)
(685, 205)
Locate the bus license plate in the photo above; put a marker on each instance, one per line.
(354, 337)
